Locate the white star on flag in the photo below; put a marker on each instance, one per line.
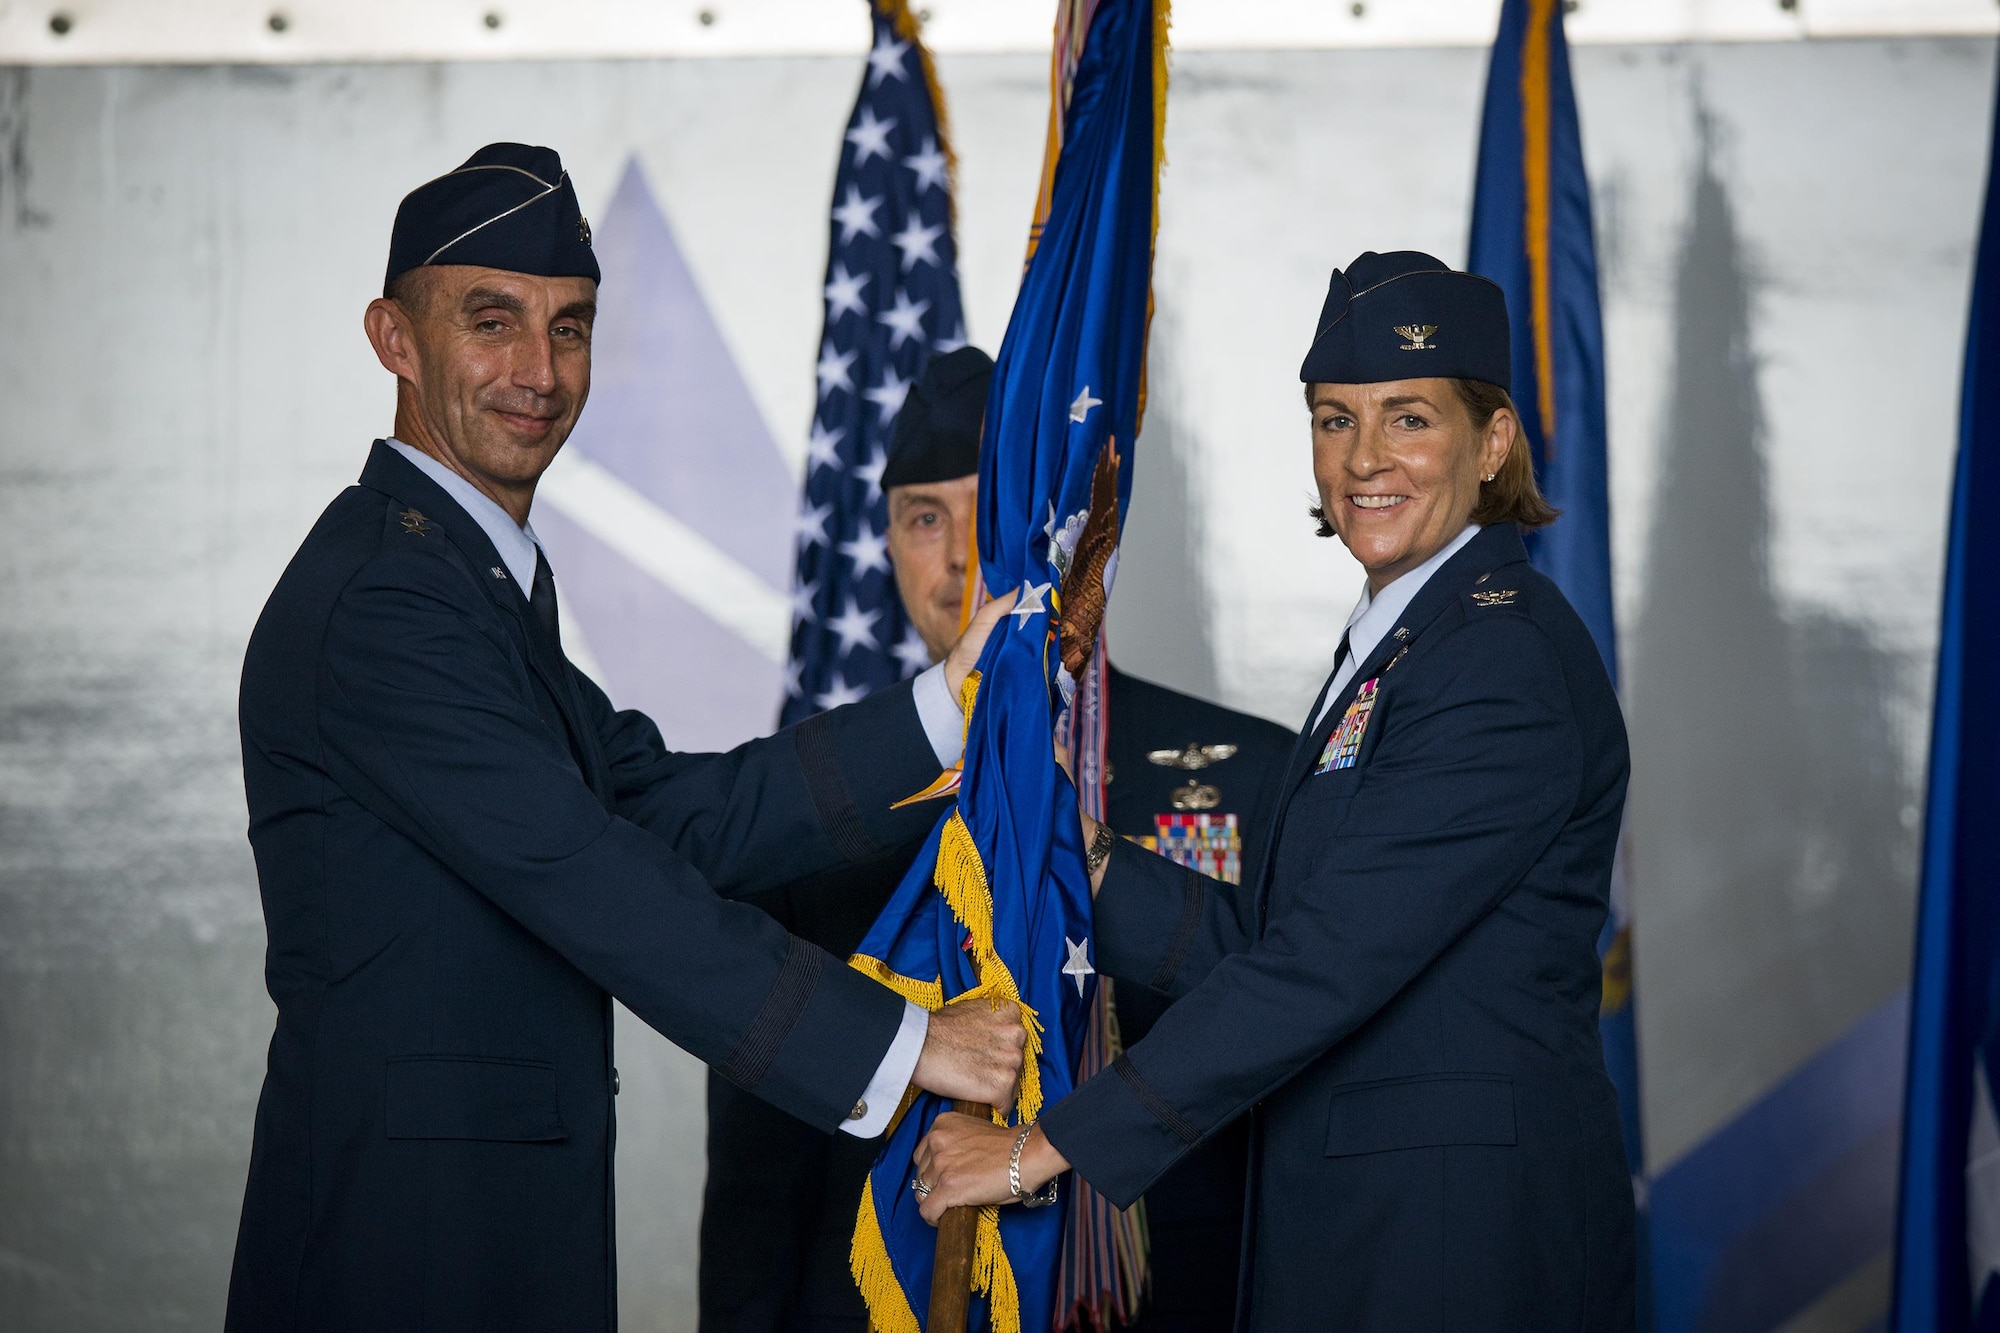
(869, 550)
(855, 627)
(856, 216)
(1031, 603)
(841, 694)
(811, 524)
(1078, 967)
(872, 470)
(794, 687)
(929, 165)
(1080, 409)
(905, 320)
(917, 242)
(870, 136)
(823, 449)
(889, 394)
(843, 293)
(832, 370)
(886, 61)
(802, 603)
(912, 652)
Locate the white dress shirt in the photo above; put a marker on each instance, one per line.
(937, 710)
(1376, 615)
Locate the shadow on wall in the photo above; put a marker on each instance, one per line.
(1160, 624)
(1767, 806)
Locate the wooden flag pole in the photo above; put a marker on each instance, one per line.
(951, 1272)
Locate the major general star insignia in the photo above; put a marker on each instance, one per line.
(1192, 757)
(1416, 333)
(414, 521)
(1496, 597)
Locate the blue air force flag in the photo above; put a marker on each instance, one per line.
(997, 906)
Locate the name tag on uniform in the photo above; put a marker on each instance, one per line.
(1344, 746)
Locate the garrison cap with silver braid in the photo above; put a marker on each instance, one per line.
(510, 206)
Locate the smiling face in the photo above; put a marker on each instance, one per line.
(930, 530)
(495, 368)
(1399, 466)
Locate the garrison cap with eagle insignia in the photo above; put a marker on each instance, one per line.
(508, 206)
(1406, 315)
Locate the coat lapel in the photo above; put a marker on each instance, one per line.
(390, 473)
(1494, 548)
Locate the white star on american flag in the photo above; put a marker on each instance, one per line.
(886, 61)
(929, 165)
(843, 293)
(890, 393)
(832, 370)
(870, 136)
(917, 242)
(868, 550)
(856, 216)
(872, 470)
(855, 627)
(912, 652)
(811, 524)
(905, 320)
(841, 694)
(802, 603)
(823, 449)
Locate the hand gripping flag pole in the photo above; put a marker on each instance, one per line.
(997, 907)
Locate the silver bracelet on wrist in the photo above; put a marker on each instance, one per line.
(1099, 850)
(1042, 1197)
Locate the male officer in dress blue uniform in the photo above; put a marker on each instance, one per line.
(465, 852)
(1190, 778)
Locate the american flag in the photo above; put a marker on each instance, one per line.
(891, 301)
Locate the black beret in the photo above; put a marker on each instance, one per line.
(1406, 316)
(937, 432)
(509, 206)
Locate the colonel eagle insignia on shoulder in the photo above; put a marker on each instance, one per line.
(1496, 597)
(414, 521)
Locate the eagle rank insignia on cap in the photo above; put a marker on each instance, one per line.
(1416, 333)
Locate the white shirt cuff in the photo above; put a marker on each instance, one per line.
(892, 1077)
(943, 723)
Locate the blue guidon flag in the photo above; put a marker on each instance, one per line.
(1532, 234)
(891, 301)
(997, 907)
(1948, 1221)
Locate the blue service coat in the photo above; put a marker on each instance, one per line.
(464, 852)
(1404, 997)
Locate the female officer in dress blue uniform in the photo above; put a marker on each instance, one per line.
(1404, 997)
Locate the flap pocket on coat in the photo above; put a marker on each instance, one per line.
(473, 1097)
(1429, 1111)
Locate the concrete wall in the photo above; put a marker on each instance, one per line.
(184, 253)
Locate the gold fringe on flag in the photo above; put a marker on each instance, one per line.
(888, 1308)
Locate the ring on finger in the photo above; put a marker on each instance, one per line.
(917, 1184)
